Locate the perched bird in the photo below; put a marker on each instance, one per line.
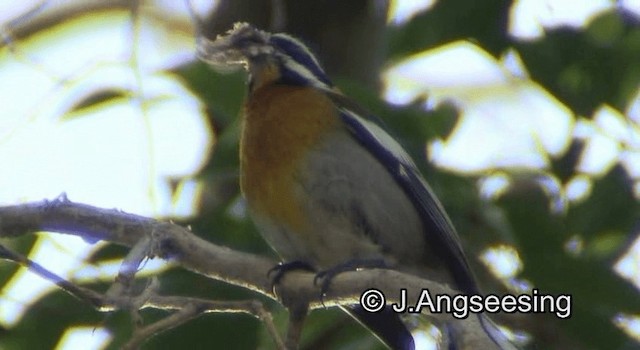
(323, 181)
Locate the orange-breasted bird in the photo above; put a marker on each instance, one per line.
(324, 182)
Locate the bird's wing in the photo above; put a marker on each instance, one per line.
(439, 230)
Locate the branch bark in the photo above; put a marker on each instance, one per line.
(179, 245)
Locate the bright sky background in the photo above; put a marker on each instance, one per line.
(122, 154)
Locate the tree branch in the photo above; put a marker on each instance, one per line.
(151, 238)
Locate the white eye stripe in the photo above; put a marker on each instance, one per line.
(303, 72)
(260, 49)
(299, 45)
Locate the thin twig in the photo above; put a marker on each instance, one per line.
(83, 294)
(186, 308)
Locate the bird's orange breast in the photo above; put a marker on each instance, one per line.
(281, 124)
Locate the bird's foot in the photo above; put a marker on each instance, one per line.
(277, 272)
(352, 265)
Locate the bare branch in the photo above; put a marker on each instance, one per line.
(190, 308)
(172, 242)
(83, 294)
(119, 296)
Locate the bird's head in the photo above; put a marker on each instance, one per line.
(269, 58)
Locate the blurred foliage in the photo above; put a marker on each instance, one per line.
(583, 68)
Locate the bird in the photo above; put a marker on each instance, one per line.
(325, 183)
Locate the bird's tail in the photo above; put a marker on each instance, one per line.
(496, 334)
(389, 328)
(386, 325)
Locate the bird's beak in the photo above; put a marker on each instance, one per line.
(220, 52)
